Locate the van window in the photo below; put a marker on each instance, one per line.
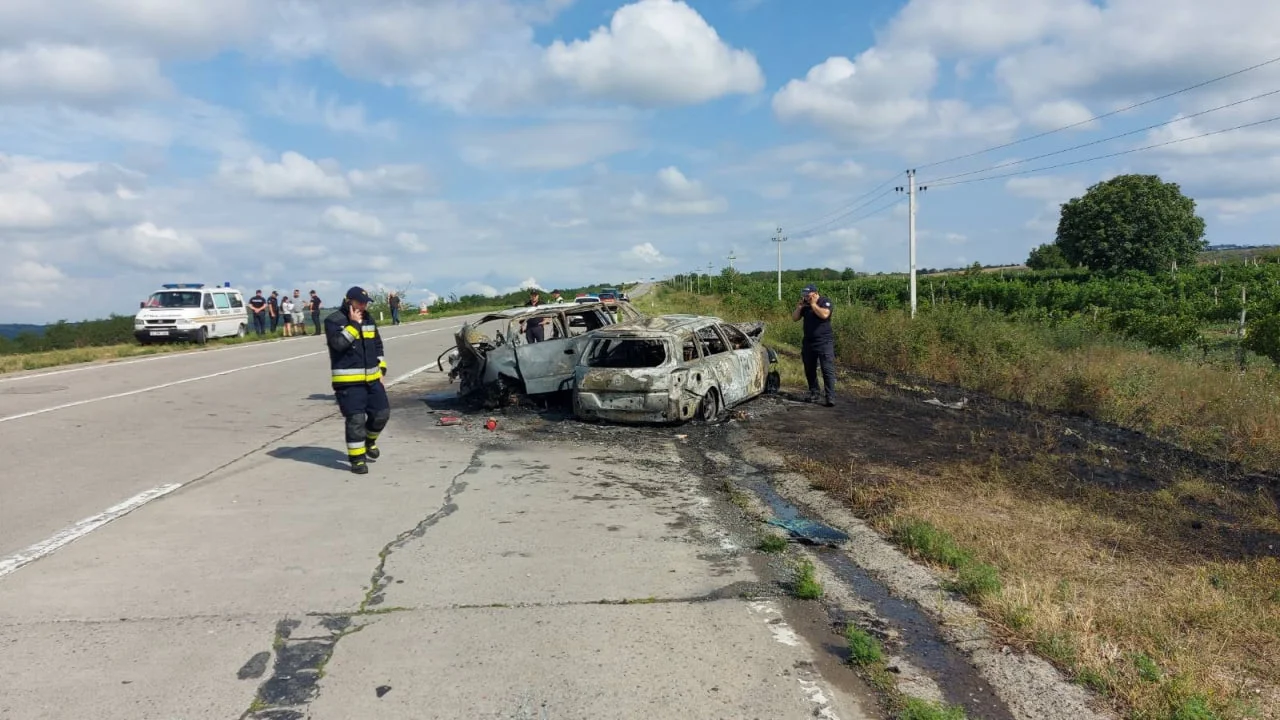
(173, 299)
(208, 301)
(236, 301)
(712, 343)
(220, 301)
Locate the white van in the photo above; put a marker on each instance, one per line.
(191, 312)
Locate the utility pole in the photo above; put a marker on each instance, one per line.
(911, 190)
(711, 283)
(779, 238)
(732, 257)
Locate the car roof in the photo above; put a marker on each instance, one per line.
(548, 308)
(660, 325)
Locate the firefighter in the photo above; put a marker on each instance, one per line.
(357, 366)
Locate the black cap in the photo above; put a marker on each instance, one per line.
(811, 288)
(357, 294)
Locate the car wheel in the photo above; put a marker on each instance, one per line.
(710, 407)
(244, 330)
(773, 383)
(202, 336)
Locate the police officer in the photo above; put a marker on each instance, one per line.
(819, 345)
(357, 366)
(533, 327)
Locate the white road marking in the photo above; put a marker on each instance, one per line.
(184, 381)
(177, 354)
(82, 528)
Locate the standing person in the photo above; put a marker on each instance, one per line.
(394, 301)
(314, 303)
(357, 366)
(533, 330)
(555, 297)
(258, 305)
(299, 312)
(273, 306)
(819, 344)
(286, 312)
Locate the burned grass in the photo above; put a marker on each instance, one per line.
(1147, 573)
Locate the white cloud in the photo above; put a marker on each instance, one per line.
(24, 210)
(30, 284)
(77, 75)
(294, 177)
(1061, 113)
(391, 179)
(410, 242)
(647, 254)
(305, 107)
(845, 170)
(656, 53)
(477, 288)
(147, 247)
(678, 195)
(344, 219)
(554, 146)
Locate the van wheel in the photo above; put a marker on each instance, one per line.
(244, 330)
(202, 336)
(710, 408)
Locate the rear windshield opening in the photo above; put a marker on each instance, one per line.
(630, 353)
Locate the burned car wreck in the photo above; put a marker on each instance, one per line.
(671, 369)
(493, 363)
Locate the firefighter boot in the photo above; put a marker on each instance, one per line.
(359, 467)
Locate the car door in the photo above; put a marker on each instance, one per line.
(720, 363)
(548, 366)
(749, 359)
(222, 307)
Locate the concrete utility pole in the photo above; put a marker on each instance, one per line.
(711, 282)
(732, 257)
(911, 190)
(779, 238)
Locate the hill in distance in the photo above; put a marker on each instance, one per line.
(13, 330)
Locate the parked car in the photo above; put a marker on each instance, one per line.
(587, 299)
(671, 369)
(492, 361)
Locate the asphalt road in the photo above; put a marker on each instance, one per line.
(179, 538)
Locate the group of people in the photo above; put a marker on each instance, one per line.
(291, 312)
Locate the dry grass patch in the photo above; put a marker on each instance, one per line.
(1100, 583)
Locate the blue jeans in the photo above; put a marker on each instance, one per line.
(395, 316)
(259, 323)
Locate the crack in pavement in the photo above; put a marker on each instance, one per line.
(300, 658)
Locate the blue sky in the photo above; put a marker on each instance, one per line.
(455, 146)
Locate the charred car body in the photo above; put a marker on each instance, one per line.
(492, 361)
(671, 369)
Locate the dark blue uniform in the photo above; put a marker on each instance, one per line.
(819, 349)
(533, 328)
(357, 366)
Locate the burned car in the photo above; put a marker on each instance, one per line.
(671, 369)
(492, 362)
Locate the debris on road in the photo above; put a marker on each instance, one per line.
(962, 404)
(450, 420)
(491, 424)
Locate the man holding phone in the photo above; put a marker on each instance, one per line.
(819, 345)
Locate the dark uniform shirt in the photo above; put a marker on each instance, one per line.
(257, 303)
(534, 322)
(817, 331)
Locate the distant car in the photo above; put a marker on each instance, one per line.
(587, 299)
(671, 369)
(191, 312)
(609, 296)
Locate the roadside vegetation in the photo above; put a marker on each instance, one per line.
(1148, 572)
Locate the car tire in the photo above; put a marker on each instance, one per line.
(201, 336)
(244, 330)
(710, 408)
(773, 383)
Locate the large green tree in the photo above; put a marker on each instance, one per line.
(1047, 257)
(1131, 222)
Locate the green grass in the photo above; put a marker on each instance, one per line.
(805, 585)
(863, 648)
(772, 543)
(917, 709)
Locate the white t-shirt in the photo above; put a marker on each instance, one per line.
(286, 306)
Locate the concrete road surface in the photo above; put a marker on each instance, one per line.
(179, 538)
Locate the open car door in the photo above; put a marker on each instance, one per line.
(548, 366)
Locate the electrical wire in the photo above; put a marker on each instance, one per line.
(815, 229)
(806, 227)
(1095, 118)
(1023, 161)
(1109, 155)
(856, 220)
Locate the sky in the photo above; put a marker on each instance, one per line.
(480, 146)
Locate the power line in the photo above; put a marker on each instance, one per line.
(823, 218)
(1109, 155)
(811, 231)
(1095, 118)
(1101, 141)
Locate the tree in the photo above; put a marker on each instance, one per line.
(1047, 257)
(1131, 222)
